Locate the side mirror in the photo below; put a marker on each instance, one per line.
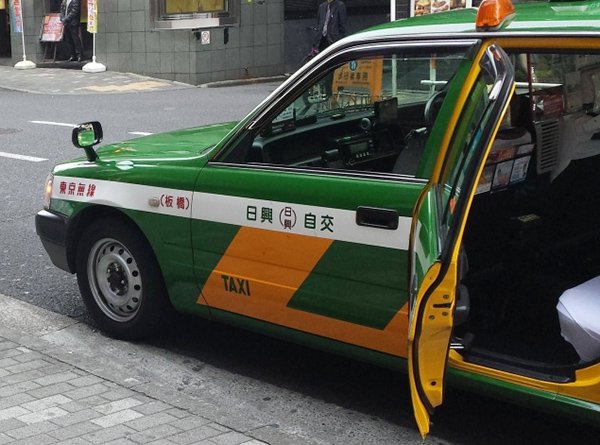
(86, 136)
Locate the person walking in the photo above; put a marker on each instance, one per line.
(70, 16)
(331, 23)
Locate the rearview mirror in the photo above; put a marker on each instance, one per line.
(86, 136)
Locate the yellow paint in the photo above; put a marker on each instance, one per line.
(276, 264)
(134, 86)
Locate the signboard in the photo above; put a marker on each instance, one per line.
(92, 17)
(17, 17)
(422, 7)
(52, 28)
(360, 79)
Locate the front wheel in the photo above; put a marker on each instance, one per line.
(120, 281)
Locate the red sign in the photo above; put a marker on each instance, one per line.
(52, 28)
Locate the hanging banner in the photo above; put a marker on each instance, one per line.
(17, 17)
(422, 7)
(92, 18)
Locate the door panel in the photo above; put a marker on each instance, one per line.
(440, 217)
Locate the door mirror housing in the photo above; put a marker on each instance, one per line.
(87, 135)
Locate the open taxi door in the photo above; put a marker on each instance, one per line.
(439, 221)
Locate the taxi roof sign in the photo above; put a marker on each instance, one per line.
(492, 14)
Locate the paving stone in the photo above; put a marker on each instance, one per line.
(50, 390)
(14, 411)
(16, 388)
(56, 378)
(5, 344)
(10, 353)
(117, 393)
(76, 417)
(146, 422)
(107, 434)
(45, 414)
(85, 380)
(73, 431)
(75, 441)
(178, 412)
(152, 434)
(27, 366)
(6, 362)
(195, 435)
(42, 439)
(190, 422)
(117, 405)
(87, 391)
(121, 441)
(10, 424)
(46, 402)
(15, 399)
(230, 438)
(117, 418)
(153, 407)
(28, 356)
(32, 430)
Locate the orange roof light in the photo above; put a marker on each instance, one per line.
(492, 14)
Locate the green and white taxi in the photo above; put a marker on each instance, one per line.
(422, 195)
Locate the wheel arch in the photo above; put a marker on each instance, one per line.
(83, 220)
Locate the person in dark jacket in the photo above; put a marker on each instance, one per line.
(70, 16)
(331, 23)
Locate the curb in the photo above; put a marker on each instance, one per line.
(238, 82)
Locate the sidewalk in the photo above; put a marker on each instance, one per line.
(69, 81)
(47, 396)
(75, 81)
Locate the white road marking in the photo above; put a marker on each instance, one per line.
(22, 157)
(58, 124)
(139, 133)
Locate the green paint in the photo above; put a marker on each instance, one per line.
(360, 284)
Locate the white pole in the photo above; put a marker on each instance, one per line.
(394, 61)
(93, 66)
(23, 64)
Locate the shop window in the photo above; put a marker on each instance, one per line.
(190, 14)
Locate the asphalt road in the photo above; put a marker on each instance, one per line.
(307, 396)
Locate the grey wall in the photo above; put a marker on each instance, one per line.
(126, 42)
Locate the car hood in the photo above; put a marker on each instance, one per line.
(173, 145)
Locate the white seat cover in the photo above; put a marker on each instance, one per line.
(579, 316)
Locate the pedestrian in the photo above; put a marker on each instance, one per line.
(331, 23)
(70, 16)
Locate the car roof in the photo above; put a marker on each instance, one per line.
(553, 18)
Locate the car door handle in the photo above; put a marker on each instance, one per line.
(378, 218)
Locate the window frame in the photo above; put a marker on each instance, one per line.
(285, 95)
(162, 21)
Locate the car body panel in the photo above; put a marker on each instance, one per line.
(279, 249)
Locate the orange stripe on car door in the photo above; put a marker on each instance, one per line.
(275, 265)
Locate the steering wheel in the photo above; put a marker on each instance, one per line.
(432, 107)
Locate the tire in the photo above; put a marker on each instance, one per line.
(120, 281)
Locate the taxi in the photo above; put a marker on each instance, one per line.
(422, 195)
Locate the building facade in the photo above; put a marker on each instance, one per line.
(194, 41)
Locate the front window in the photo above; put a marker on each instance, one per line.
(192, 14)
(192, 7)
(368, 114)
